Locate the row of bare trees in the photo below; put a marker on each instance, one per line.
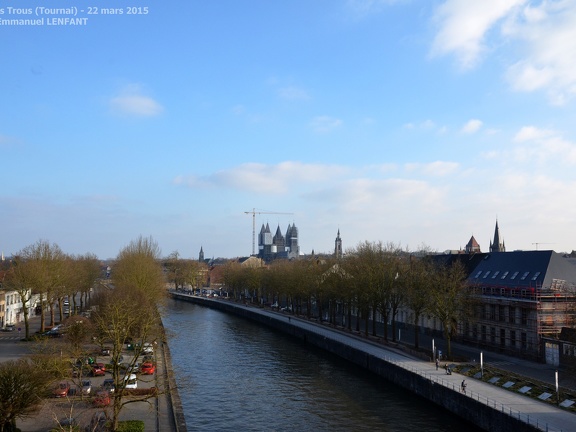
(43, 270)
(371, 283)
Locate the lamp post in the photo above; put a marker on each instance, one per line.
(433, 350)
(481, 365)
(557, 391)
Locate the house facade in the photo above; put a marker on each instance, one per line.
(524, 298)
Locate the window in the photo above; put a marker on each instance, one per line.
(478, 274)
(492, 335)
(514, 275)
(504, 275)
(493, 312)
(524, 341)
(502, 337)
(569, 350)
(512, 315)
(524, 318)
(535, 276)
(513, 338)
(495, 274)
(525, 275)
(501, 313)
(486, 274)
(483, 333)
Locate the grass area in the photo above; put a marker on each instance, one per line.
(517, 383)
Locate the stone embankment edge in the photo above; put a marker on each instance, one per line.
(475, 412)
(174, 403)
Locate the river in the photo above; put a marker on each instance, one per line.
(234, 375)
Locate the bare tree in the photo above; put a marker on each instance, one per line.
(418, 292)
(450, 300)
(128, 313)
(22, 387)
(39, 269)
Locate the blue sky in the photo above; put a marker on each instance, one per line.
(411, 122)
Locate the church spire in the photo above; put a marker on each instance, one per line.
(497, 245)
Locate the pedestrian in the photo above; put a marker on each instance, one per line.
(464, 386)
(437, 361)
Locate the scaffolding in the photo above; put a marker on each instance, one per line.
(514, 320)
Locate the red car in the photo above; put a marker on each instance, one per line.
(148, 368)
(98, 369)
(102, 399)
(62, 390)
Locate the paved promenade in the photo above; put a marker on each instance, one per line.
(544, 416)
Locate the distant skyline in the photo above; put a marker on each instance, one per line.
(402, 121)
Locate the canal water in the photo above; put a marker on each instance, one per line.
(234, 375)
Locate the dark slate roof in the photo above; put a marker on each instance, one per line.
(469, 261)
(524, 269)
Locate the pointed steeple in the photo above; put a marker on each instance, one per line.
(201, 255)
(497, 245)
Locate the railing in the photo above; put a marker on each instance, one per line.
(526, 418)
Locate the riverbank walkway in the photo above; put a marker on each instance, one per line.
(544, 416)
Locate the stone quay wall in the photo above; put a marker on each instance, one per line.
(483, 416)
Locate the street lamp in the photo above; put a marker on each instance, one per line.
(557, 391)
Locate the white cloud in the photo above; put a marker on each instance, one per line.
(463, 25)
(293, 93)
(131, 101)
(548, 30)
(544, 58)
(263, 178)
(436, 169)
(325, 124)
(544, 145)
(472, 126)
(528, 133)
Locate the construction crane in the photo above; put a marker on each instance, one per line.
(254, 213)
(540, 244)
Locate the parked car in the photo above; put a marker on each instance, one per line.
(9, 327)
(102, 399)
(148, 368)
(109, 385)
(134, 369)
(98, 369)
(61, 390)
(120, 360)
(131, 382)
(105, 352)
(147, 348)
(148, 358)
(86, 387)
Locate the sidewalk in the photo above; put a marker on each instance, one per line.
(544, 416)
